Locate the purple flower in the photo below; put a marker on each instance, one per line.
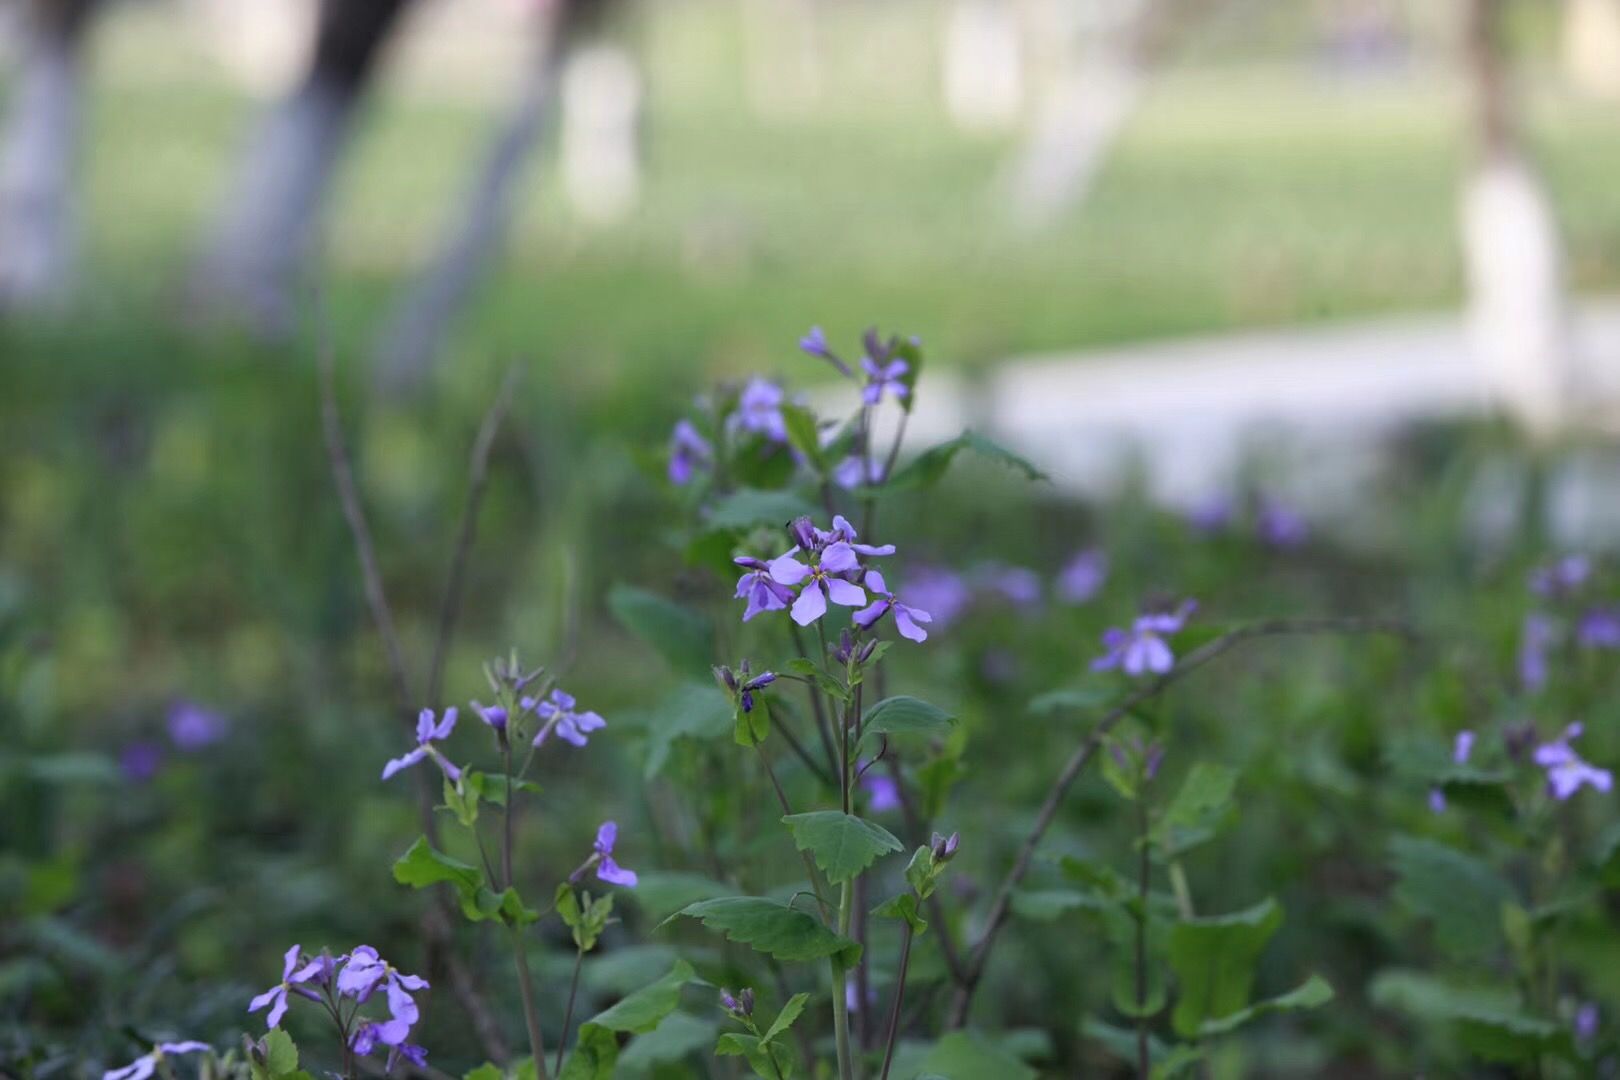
(494, 715)
(1599, 628)
(1587, 1020)
(1084, 577)
(821, 581)
(688, 452)
(1018, 585)
(854, 472)
(741, 1003)
(415, 1054)
(881, 376)
(1566, 772)
(1538, 635)
(1281, 526)
(762, 591)
(814, 343)
(192, 727)
(428, 733)
(557, 710)
(741, 684)
(606, 869)
(883, 794)
(905, 618)
(143, 1067)
(292, 979)
(374, 1033)
(1461, 748)
(843, 530)
(365, 971)
(1211, 514)
(139, 761)
(759, 410)
(1562, 577)
(941, 591)
(1142, 649)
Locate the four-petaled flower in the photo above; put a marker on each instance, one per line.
(392, 1034)
(1142, 648)
(606, 869)
(428, 733)
(1599, 628)
(906, 618)
(1566, 772)
(1084, 577)
(292, 979)
(557, 710)
(366, 970)
(762, 591)
(688, 452)
(145, 1066)
(821, 580)
(884, 376)
(759, 410)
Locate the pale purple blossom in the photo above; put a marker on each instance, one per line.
(1587, 1021)
(821, 580)
(1536, 638)
(1143, 649)
(1562, 577)
(494, 715)
(1599, 628)
(882, 792)
(1018, 585)
(855, 471)
(293, 978)
(140, 760)
(1281, 526)
(763, 592)
(428, 734)
(1566, 772)
(884, 376)
(192, 727)
(558, 711)
(906, 618)
(814, 343)
(941, 591)
(606, 869)
(759, 409)
(145, 1066)
(688, 452)
(1084, 577)
(1211, 514)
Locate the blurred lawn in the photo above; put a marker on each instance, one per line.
(1244, 193)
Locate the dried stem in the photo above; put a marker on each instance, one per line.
(1001, 904)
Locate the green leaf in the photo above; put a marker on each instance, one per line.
(1487, 1017)
(691, 711)
(646, 1008)
(785, 1019)
(281, 1055)
(663, 893)
(904, 907)
(1045, 905)
(422, 866)
(773, 928)
(904, 715)
(595, 1054)
(753, 727)
(802, 434)
(1311, 994)
(843, 845)
(777, 1066)
(463, 801)
(928, 467)
(1460, 894)
(1080, 698)
(1198, 809)
(486, 1071)
(679, 1036)
(683, 638)
(1214, 960)
(749, 507)
(963, 1055)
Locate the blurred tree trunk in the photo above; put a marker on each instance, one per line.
(39, 155)
(1517, 312)
(266, 225)
(417, 329)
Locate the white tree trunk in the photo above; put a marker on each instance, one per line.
(601, 143)
(1591, 46)
(37, 166)
(417, 328)
(251, 264)
(1517, 317)
(983, 66)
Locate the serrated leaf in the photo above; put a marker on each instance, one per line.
(785, 1019)
(683, 638)
(1195, 814)
(643, 1010)
(281, 1054)
(1214, 960)
(679, 1036)
(843, 845)
(928, 467)
(663, 893)
(903, 906)
(773, 928)
(963, 1055)
(1311, 994)
(904, 715)
(1458, 893)
(595, 1055)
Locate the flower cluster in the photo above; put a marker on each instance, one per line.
(145, 1065)
(1567, 773)
(1142, 649)
(355, 976)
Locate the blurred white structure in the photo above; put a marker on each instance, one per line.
(264, 44)
(1591, 46)
(984, 64)
(601, 137)
(781, 55)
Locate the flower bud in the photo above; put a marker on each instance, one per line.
(866, 651)
(944, 846)
(803, 533)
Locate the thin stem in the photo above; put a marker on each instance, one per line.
(568, 1013)
(919, 835)
(531, 1015)
(1001, 904)
(822, 727)
(787, 811)
(899, 995)
(506, 816)
(846, 1066)
(1144, 1061)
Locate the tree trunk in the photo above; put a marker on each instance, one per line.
(253, 260)
(1517, 315)
(39, 155)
